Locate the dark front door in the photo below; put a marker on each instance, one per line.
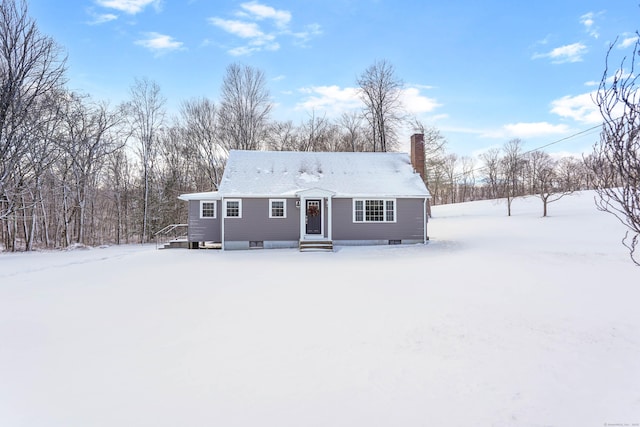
(314, 217)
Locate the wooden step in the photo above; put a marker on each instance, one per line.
(316, 245)
(174, 244)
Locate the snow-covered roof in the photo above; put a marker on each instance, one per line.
(208, 195)
(346, 174)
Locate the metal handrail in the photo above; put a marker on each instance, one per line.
(168, 229)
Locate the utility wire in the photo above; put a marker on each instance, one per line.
(582, 132)
(564, 139)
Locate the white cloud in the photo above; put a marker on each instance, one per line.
(416, 103)
(250, 31)
(102, 18)
(275, 24)
(527, 130)
(242, 50)
(580, 108)
(628, 41)
(245, 30)
(310, 31)
(129, 6)
(332, 99)
(249, 49)
(259, 12)
(438, 117)
(159, 43)
(588, 20)
(336, 100)
(568, 53)
(618, 75)
(545, 41)
(420, 86)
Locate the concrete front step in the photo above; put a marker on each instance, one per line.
(174, 244)
(316, 245)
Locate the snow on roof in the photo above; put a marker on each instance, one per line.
(207, 195)
(346, 174)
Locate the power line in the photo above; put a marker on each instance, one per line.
(564, 139)
(582, 132)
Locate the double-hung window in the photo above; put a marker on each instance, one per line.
(277, 208)
(207, 209)
(233, 208)
(374, 210)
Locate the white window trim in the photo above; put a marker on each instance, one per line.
(364, 213)
(215, 209)
(284, 204)
(239, 208)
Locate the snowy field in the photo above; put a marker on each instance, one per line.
(521, 321)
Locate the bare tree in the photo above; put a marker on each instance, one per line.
(551, 180)
(282, 136)
(351, 131)
(467, 179)
(436, 181)
(86, 140)
(118, 185)
(380, 91)
(616, 157)
(28, 178)
(146, 116)
(31, 66)
(511, 169)
(491, 168)
(178, 156)
(434, 141)
(315, 133)
(450, 168)
(573, 172)
(244, 108)
(435, 159)
(43, 153)
(199, 119)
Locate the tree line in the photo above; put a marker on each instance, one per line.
(78, 170)
(75, 170)
(506, 173)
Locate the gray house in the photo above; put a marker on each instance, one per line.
(283, 199)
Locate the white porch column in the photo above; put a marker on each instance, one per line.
(329, 219)
(303, 207)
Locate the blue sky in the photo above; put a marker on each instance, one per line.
(482, 72)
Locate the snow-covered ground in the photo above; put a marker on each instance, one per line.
(521, 321)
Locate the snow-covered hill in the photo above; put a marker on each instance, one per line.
(498, 321)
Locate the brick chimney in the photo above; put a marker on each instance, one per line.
(417, 153)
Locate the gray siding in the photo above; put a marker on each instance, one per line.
(255, 224)
(409, 223)
(205, 229)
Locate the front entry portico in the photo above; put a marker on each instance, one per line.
(315, 214)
